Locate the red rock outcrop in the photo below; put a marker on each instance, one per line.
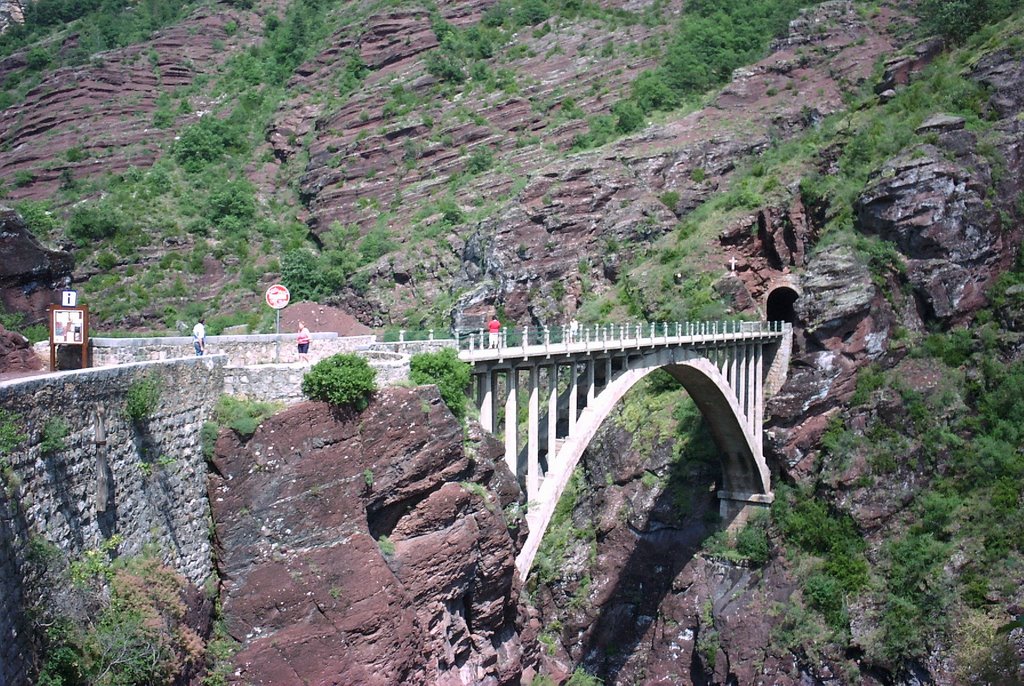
(30, 275)
(368, 548)
(16, 355)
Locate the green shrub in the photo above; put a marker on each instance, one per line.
(10, 433)
(953, 348)
(581, 678)
(531, 12)
(204, 142)
(55, 430)
(869, 380)
(309, 277)
(23, 178)
(670, 199)
(208, 438)
(448, 372)
(628, 116)
(342, 380)
(752, 543)
(445, 67)
(241, 415)
(95, 221)
(138, 636)
(37, 59)
(956, 20)
(142, 398)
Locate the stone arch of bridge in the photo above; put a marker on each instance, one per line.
(745, 475)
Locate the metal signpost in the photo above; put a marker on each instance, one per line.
(277, 297)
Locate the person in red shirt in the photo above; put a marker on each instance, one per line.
(493, 328)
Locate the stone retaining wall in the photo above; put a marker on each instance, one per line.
(283, 382)
(413, 347)
(240, 350)
(145, 481)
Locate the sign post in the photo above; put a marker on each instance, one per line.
(69, 325)
(277, 297)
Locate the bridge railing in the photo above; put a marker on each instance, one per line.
(616, 333)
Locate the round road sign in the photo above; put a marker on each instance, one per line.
(278, 296)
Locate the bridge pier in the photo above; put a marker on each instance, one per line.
(532, 436)
(485, 392)
(552, 413)
(511, 421)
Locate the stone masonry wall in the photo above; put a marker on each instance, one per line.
(146, 482)
(240, 350)
(283, 382)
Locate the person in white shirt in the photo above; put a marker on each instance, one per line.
(199, 337)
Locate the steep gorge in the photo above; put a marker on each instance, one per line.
(870, 428)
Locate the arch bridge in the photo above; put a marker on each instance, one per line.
(574, 376)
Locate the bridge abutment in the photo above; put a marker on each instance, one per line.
(735, 508)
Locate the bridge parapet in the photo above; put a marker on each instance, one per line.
(527, 341)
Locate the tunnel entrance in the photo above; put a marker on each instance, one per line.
(779, 306)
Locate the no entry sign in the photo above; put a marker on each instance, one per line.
(278, 296)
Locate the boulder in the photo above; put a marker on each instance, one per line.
(16, 355)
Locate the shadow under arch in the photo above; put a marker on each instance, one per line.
(743, 466)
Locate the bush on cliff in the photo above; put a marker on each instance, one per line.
(242, 415)
(142, 398)
(448, 372)
(345, 380)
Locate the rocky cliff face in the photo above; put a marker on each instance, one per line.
(373, 548)
(30, 275)
(11, 12)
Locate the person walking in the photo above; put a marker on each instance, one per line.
(493, 331)
(199, 337)
(574, 330)
(303, 341)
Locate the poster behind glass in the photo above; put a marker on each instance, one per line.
(68, 326)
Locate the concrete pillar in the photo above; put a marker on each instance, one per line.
(751, 368)
(574, 395)
(727, 364)
(532, 437)
(607, 372)
(552, 414)
(485, 400)
(511, 428)
(741, 376)
(589, 379)
(758, 396)
(737, 364)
